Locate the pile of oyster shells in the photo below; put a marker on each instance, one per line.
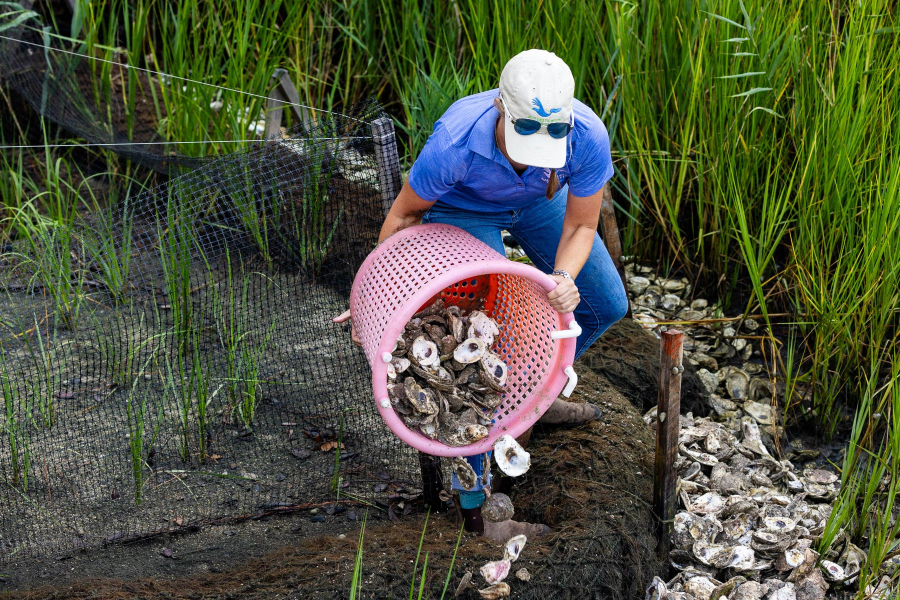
(496, 571)
(748, 523)
(451, 381)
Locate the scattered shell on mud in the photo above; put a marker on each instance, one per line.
(442, 384)
(513, 547)
(497, 507)
(498, 590)
(496, 571)
(523, 575)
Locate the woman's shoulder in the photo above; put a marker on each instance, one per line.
(586, 120)
(463, 115)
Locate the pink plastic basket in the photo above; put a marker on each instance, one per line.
(418, 264)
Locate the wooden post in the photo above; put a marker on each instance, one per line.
(611, 236)
(284, 94)
(667, 416)
(388, 160)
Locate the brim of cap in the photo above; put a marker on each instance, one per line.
(535, 150)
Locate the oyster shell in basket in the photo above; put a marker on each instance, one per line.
(469, 351)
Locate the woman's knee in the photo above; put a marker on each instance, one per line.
(606, 306)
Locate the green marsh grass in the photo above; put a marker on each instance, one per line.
(243, 358)
(138, 413)
(15, 426)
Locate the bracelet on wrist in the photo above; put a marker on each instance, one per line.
(562, 273)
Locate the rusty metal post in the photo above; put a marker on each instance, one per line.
(667, 416)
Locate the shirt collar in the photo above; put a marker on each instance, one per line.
(481, 138)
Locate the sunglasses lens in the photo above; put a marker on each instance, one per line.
(526, 126)
(558, 130)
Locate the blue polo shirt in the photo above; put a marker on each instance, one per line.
(462, 166)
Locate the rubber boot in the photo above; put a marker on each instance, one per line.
(570, 414)
(472, 521)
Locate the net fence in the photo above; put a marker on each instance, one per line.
(177, 349)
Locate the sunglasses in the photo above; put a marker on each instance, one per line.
(530, 126)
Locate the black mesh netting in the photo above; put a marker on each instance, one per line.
(175, 355)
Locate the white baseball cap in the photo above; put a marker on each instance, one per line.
(536, 85)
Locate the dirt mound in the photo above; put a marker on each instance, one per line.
(592, 484)
(628, 356)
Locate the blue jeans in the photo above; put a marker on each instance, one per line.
(538, 228)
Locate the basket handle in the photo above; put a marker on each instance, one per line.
(573, 381)
(573, 331)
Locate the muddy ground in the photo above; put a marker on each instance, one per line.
(591, 484)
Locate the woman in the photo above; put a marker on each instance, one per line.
(529, 159)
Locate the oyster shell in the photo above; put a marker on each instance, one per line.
(423, 401)
(469, 351)
(498, 590)
(523, 575)
(482, 327)
(708, 503)
(495, 572)
(424, 352)
(494, 370)
(497, 507)
(656, 590)
(832, 571)
(464, 473)
(513, 547)
(464, 584)
(434, 308)
(511, 457)
(467, 434)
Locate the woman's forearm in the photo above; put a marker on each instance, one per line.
(574, 249)
(394, 223)
(406, 211)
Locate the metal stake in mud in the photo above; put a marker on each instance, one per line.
(667, 410)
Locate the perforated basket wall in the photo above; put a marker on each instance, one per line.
(420, 263)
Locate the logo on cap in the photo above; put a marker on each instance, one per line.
(539, 108)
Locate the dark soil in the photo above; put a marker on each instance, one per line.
(628, 357)
(591, 484)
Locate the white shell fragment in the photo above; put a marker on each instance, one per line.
(523, 575)
(513, 547)
(511, 457)
(708, 503)
(495, 572)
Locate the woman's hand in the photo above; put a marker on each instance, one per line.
(345, 316)
(564, 297)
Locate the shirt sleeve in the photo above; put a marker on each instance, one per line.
(593, 163)
(439, 166)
